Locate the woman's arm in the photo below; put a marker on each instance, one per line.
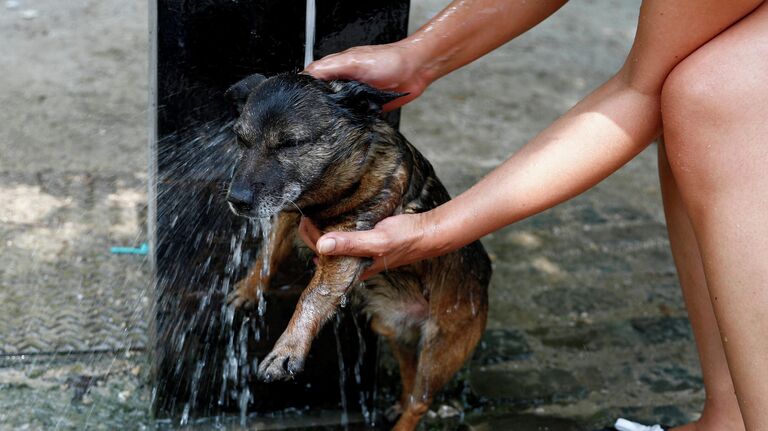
(596, 137)
(464, 31)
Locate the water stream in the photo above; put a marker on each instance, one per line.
(309, 33)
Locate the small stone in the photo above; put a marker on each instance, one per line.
(524, 422)
(671, 378)
(445, 411)
(587, 336)
(526, 386)
(656, 330)
(11, 4)
(585, 318)
(524, 239)
(29, 14)
(16, 378)
(136, 370)
(501, 345)
(546, 266)
(123, 396)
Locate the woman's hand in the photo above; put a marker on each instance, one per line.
(462, 32)
(393, 67)
(394, 241)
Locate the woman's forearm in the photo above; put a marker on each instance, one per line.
(596, 137)
(468, 29)
(461, 33)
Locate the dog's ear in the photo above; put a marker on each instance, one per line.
(239, 92)
(362, 97)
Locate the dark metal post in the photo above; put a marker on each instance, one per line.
(203, 353)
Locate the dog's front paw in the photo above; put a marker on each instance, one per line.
(282, 363)
(393, 413)
(244, 296)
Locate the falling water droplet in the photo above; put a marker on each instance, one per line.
(342, 374)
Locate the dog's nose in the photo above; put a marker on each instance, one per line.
(241, 199)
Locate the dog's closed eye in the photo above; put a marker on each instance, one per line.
(293, 142)
(242, 143)
(292, 139)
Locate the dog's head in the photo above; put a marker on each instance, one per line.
(302, 141)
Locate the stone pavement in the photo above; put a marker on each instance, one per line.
(586, 321)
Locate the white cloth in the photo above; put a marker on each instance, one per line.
(625, 425)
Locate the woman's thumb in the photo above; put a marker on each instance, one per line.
(329, 245)
(347, 243)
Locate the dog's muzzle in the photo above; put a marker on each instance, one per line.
(241, 201)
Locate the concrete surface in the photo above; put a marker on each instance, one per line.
(587, 321)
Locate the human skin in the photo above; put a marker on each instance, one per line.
(714, 108)
(453, 38)
(596, 137)
(721, 409)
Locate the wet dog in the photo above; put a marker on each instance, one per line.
(321, 149)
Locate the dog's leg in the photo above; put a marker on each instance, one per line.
(246, 291)
(405, 355)
(448, 340)
(333, 278)
(407, 360)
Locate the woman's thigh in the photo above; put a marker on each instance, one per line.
(715, 110)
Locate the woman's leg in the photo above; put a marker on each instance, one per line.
(721, 410)
(715, 112)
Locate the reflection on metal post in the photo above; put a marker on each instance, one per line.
(309, 30)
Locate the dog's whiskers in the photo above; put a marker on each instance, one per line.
(297, 207)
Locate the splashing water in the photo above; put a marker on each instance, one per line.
(364, 398)
(268, 236)
(206, 348)
(195, 270)
(342, 374)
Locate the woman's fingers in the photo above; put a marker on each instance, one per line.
(364, 243)
(388, 67)
(397, 103)
(334, 66)
(393, 242)
(309, 233)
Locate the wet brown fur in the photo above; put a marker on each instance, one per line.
(432, 313)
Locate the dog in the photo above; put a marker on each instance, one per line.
(321, 149)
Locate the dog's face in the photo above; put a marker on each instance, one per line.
(302, 141)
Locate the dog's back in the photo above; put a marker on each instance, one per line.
(432, 312)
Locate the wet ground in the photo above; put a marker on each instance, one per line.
(586, 321)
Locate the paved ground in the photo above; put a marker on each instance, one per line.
(586, 318)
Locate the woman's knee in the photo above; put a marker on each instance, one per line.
(696, 93)
(709, 97)
(721, 80)
(688, 104)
